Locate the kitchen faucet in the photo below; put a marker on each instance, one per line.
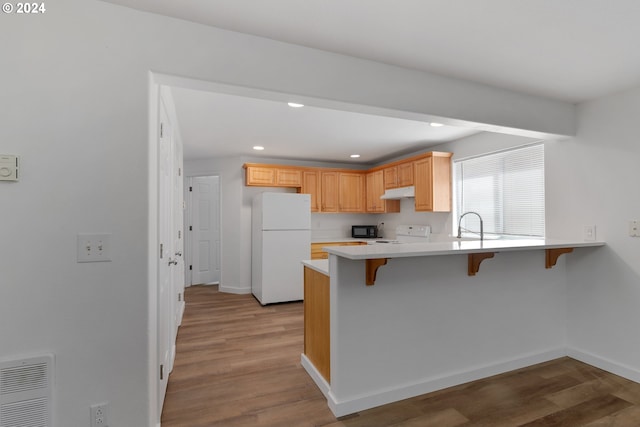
(460, 227)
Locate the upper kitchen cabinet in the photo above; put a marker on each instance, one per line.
(311, 186)
(358, 191)
(375, 183)
(351, 188)
(270, 176)
(432, 180)
(390, 177)
(398, 175)
(405, 174)
(329, 191)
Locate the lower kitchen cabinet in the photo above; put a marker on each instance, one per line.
(316, 321)
(318, 253)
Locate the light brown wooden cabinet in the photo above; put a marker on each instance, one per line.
(375, 188)
(260, 176)
(288, 177)
(390, 177)
(318, 253)
(267, 176)
(351, 188)
(317, 343)
(329, 191)
(311, 186)
(400, 175)
(344, 190)
(405, 174)
(433, 183)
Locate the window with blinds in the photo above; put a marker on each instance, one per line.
(506, 189)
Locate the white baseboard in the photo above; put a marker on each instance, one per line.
(427, 385)
(322, 384)
(234, 290)
(604, 364)
(181, 306)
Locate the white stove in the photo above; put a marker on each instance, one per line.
(407, 234)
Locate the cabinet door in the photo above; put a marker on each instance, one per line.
(441, 184)
(375, 189)
(424, 195)
(329, 191)
(405, 174)
(260, 176)
(351, 192)
(311, 185)
(289, 178)
(433, 184)
(317, 324)
(391, 177)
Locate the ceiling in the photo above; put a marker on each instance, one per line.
(569, 50)
(230, 125)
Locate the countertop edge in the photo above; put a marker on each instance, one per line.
(319, 265)
(452, 248)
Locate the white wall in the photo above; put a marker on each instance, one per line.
(592, 180)
(74, 105)
(425, 324)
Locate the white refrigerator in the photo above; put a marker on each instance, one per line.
(281, 239)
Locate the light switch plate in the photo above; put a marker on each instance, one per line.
(94, 247)
(9, 165)
(634, 228)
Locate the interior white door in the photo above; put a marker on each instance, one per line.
(165, 255)
(205, 236)
(177, 230)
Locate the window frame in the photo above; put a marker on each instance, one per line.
(493, 231)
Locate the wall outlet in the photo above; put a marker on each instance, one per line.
(589, 232)
(634, 228)
(99, 414)
(94, 247)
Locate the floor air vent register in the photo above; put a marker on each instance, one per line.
(25, 392)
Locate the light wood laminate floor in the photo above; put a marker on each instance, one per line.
(238, 364)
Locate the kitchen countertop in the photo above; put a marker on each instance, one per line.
(392, 250)
(319, 265)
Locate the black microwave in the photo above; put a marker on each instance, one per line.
(364, 231)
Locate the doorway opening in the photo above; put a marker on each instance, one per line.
(202, 225)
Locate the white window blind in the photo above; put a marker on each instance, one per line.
(506, 189)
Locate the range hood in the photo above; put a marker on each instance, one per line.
(399, 193)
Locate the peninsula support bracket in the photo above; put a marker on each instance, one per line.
(551, 256)
(372, 266)
(474, 261)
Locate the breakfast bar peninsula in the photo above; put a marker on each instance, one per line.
(388, 322)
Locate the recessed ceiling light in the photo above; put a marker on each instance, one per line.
(354, 156)
(294, 104)
(258, 148)
(436, 125)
